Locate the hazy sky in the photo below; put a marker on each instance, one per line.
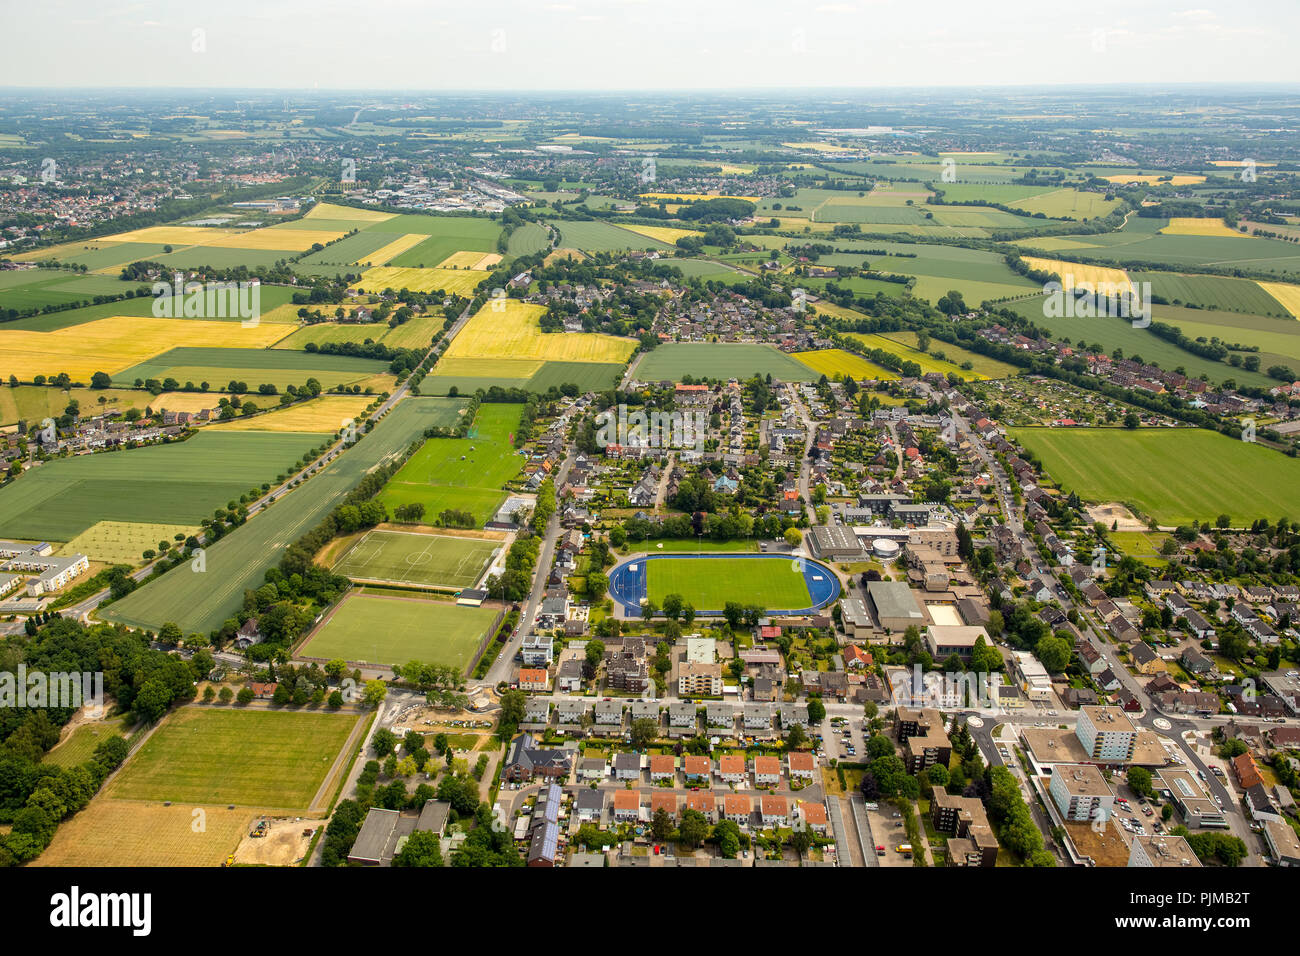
(644, 44)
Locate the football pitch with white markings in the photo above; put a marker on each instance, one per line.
(412, 558)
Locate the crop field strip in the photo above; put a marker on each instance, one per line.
(201, 602)
(177, 483)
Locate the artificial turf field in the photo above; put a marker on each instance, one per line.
(412, 558)
(379, 629)
(260, 758)
(1175, 475)
(709, 585)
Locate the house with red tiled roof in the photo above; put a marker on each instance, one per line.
(767, 771)
(814, 815)
(697, 768)
(856, 657)
(801, 765)
(703, 802)
(775, 811)
(731, 768)
(663, 801)
(737, 807)
(1248, 775)
(627, 805)
(663, 767)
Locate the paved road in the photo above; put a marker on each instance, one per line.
(805, 466)
(502, 666)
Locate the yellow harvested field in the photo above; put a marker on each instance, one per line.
(1285, 293)
(560, 255)
(177, 235)
(469, 260)
(414, 333)
(668, 234)
(137, 833)
(462, 281)
(838, 362)
(384, 254)
(819, 147)
(327, 210)
(62, 250)
(324, 414)
(1200, 227)
(1178, 180)
(489, 367)
(514, 333)
(290, 240)
(1237, 163)
(1074, 274)
(693, 197)
(118, 342)
(123, 542)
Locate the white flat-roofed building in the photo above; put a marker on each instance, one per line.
(1081, 792)
(1106, 733)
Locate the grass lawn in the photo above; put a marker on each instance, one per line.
(693, 544)
(1174, 475)
(265, 758)
(370, 629)
(465, 474)
(413, 558)
(709, 585)
(81, 743)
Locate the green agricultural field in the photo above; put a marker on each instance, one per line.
(895, 345)
(597, 236)
(410, 558)
(1142, 545)
(982, 365)
(1126, 246)
(709, 585)
(279, 367)
(528, 239)
(1113, 333)
(465, 474)
(447, 234)
(720, 360)
(203, 601)
(175, 484)
(258, 758)
(349, 249)
(588, 376)
(374, 629)
(121, 542)
(1212, 292)
(1176, 475)
(36, 288)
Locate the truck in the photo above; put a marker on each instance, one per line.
(904, 848)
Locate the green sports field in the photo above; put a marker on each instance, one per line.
(259, 758)
(1176, 475)
(177, 484)
(412, 558)
(466, 474)
(378, 629)
(709, 585)
(720, 360)
(202, 601)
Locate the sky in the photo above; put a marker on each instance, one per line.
(602, 45)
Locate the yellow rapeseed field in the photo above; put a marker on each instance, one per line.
(462, 281)
(118, 342)
(470, 260)
(668, 234)
(832, 362)
(1178, 180)
(692, 197)
(1179, 226)
(384, 254)
(1075, 274)
(290, 240)
(176, 235)
(324, 414)
(1284, 292)
(326, 210)
(514, 333)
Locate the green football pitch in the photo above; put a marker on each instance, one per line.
(709, 585)
(378, 629)
(412, 558)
